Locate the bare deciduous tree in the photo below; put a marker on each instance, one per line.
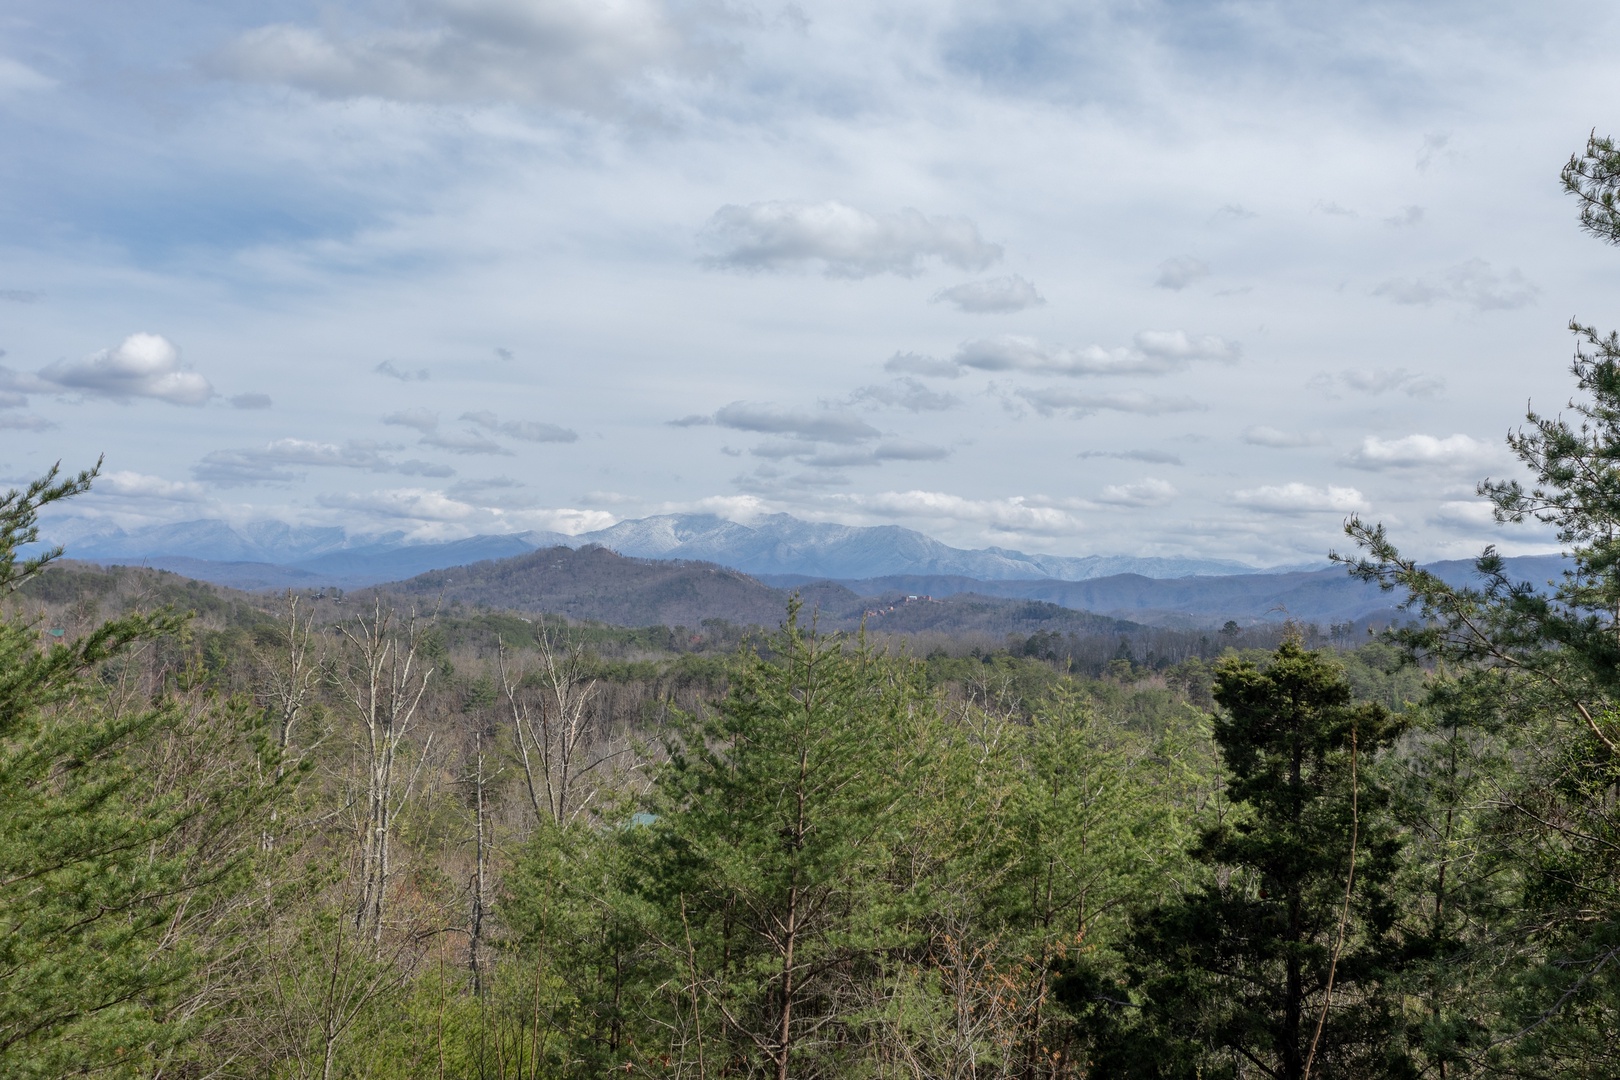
(556, 733)
(288, 676)
(384, 683)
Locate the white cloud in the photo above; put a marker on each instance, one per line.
(464, 442)
(905, 394)
(1475, 283)
(391, 370)
(1050, 401)
(1149, 492)
(251, 401)
(1296, 498)
(847, 458)
(1177, 274)
(1470, 516)
(134, 485)
(1408, 217)
(1283, 440)
(423, 420)
(143, 365)
(1016, 514)
(528, 430)
(1151, 457)
(574, 53)
(276, 462)
(1377, 381)
(844, 241)
(1153, 352)
(917, 364)
(416, 503)
(823, 426)
(1420, 451)
(441, 508)
(997, 296)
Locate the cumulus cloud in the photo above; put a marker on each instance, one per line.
(1420, 451)
(917, 364)
(279, 462)
(1177, 274)
(1016, 514)
(141, 366)
(843, 241)
(997, 296)
(1149, 492)
(389, 369)
(251, 401)
(1151, 457)
(1282, 440)
(1296, 498)
(411, 503)
(905, 394)
(578, 54)
(528, 430)
(1153, 352)
(820, 426)
(1377, 381)
(135, 485)
(1050, 401)
(1475, 283)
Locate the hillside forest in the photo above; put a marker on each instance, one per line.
(382, 835)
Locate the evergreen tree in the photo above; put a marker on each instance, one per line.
(769, 867)
(114, 868)
(1552, 655)
(1276, 965)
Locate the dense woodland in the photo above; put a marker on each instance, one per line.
(364, 836)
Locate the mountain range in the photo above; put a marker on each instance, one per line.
(753, 562)
(271, 554)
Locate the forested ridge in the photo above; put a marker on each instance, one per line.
(351, 837)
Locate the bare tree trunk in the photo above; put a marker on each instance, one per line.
(288, 678)
(554, 734)
(475, 935)
(385, 689)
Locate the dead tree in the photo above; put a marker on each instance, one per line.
(554, 736)
(384, 684)
(287, 679)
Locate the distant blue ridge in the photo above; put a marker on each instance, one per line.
(781, 551)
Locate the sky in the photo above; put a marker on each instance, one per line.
(1141, 278)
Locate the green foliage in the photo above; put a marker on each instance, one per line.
(1238, 972)
(777, 816)
(119, 822)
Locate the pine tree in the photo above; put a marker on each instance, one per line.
(110, 864)
(1551, 652)
(769, 863)
(1276, 965)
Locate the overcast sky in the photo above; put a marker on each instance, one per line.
(1118, 278)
